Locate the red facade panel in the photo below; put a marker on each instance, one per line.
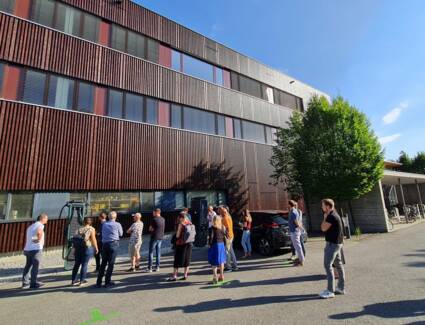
(164, 114)
(22, 8)
(104, 32)
(11, 82)
(165, 56)
(100, 101)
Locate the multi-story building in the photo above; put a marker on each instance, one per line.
(106, 101)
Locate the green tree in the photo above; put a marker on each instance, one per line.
(412, 165)
(331, 150)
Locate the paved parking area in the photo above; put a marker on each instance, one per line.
(385, 284)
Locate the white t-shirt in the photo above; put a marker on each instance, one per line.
(210, 217)
(32, 243)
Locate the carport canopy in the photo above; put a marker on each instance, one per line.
(392, 177)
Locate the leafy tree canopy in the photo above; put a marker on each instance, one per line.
(330, 151)
(412, 165)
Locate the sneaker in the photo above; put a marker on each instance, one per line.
(220, 279)
(110, 284)
(83, 283)
(228, 270)
(37, 285)
(75, 284)
(327, 294)
(156, 269)
(148, 270)
(339, 291)
(25, 286)
(131, 269)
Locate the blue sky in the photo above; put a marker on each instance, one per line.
(372, 52)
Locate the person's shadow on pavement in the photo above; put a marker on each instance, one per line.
(393, 309)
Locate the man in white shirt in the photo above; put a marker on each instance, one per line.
(33, 247)
(210, 216)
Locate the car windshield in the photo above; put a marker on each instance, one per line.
(279, 220)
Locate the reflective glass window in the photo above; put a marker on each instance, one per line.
(152, 111)
(219, 80)
(85, 97)
(249, 86)
(136, 44)
(68, 19)
(91, 26)
(115, 103)
(176, 60)
(118, 36)
(43, 12)
(198, 120)
(33, 89)
(176, 116)
(3, 205)
(7, 6)
(253, 131)
(198, 68)
(21, 206)
(221, 125)
(134, 107)
(148, 201)
(237, 128)
(153, 51)
(61, 92)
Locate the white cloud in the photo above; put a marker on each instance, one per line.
(389, 138)
(395, 113)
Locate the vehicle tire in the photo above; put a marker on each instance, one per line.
(265, 247)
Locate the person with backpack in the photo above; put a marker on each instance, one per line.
(185, 236)
(85, 245)
(217, 251)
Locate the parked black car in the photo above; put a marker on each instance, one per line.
(269, 233)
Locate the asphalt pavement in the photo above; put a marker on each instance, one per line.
(385, 285)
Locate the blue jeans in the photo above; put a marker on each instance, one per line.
(82, 258)
(33, 263)
(155, 244)
(333, 257)
(246, 241)
(109, 255)
(296, 243)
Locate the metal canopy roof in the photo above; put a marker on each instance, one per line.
(392, 177)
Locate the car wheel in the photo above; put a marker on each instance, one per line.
(265, 247)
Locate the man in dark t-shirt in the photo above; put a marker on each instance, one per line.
(156, 229)
(334, 235)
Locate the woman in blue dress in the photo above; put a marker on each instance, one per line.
(217, 252)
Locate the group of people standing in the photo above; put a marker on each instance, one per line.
(103, 243)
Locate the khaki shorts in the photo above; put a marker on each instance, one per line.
(134, 250)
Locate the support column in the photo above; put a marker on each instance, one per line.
(404, 201)
(421, 208)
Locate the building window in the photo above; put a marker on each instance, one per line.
(148, 201)
(43, 12)
(176, 116)
(134, 107)
(269, 135)
(198, 68)
(229, 127)
(33, 88)
(124, 202)
(136, 44)
(61, 92)
(268, 94)
(249, 86)
(219, 79)
(7, 6)
(21, 206)
(118, 37)
(91, 26)
(221, 125)
(50, 203)
(237, 128)
(115, 103)
(214, 198)
(197, 120)
(3, 206)
(85, 97)
(169, 200)
(152, 51)
(151, 111)
(284, 99)
(176, 60)
(253, 131)
(68, 19)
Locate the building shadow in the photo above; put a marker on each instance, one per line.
(393, 309)
(222, 304)
(215, 177)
